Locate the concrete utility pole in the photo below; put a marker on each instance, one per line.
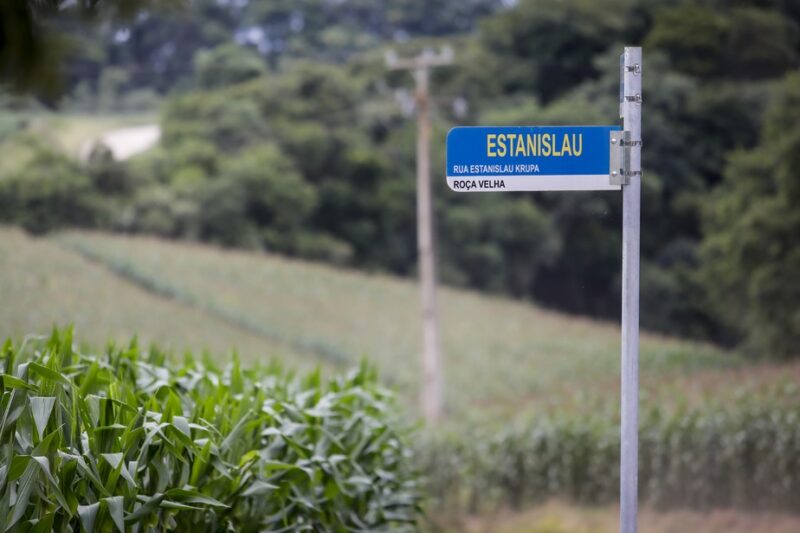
(432, 387)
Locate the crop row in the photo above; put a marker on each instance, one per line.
(744, 454)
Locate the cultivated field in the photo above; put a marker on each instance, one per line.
(42, 284)
(505, 360)
(501, 355)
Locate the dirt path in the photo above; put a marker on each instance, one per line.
(125, 143)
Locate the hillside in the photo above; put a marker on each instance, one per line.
(500, 354)
(43, 284)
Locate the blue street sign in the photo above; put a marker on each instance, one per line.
(529, 158)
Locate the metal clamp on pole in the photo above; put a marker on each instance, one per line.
(619, 167)
(619, 157)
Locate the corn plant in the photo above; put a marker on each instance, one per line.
(126, 441)
(744, 454)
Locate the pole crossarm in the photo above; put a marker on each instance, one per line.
(426, 60)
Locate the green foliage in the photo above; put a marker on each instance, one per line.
(753, 234)
(10, 123)
(498, 244)
(763, 43)
(261, 191)
(35, 41)
(743, 42)
(42, 189)
(228, 119)
(546, 46)
(744, 455)
(110, 88)
(125, 439)
(693, 36)
(317, 28)
(227, 64)
(305, 82)
(108, 176)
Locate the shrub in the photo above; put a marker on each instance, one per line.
(41, 189)
(127, 440)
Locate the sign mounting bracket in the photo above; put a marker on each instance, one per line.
(619, 157)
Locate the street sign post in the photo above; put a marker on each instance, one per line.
(631, 111)
(577, 158)
(549, 158)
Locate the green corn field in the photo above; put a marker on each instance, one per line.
(125, 441)
(743, 455)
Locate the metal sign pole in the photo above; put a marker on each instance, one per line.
(631, 108)
(577, 158)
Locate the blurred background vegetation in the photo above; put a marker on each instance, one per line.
(282, 131)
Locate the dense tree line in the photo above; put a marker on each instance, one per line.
(282, 131)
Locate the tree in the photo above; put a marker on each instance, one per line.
(693, 36)
(259, 199)
(227, 64)
(42, 189)
(34, 40)
(743, 42)
(497, 243)
(752, 244)
(547, 46)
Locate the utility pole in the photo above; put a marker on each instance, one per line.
(432, 382)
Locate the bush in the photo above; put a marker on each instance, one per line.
(41, 189)
(125, 439)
